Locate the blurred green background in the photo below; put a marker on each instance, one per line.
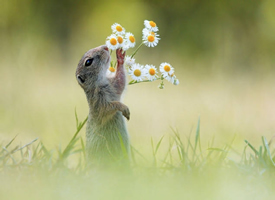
(222, 52)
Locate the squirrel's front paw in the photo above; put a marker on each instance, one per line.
(120, 56)
(126, 112)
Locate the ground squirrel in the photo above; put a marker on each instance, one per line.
(106, 128)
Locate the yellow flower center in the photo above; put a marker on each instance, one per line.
(151, 38)
(119, 39)
(137, 72)
(152, 33)
(119, 28)
(132, 38)
(171, 74)
(111, 69)
(153, 24)
(152, 72)
(113, 41)
(167, 68)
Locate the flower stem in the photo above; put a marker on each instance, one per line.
(134, 82)
(136, 50)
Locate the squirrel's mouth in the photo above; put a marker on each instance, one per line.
(80, 79)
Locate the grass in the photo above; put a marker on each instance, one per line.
(184, 170)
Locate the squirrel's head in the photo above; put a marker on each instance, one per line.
(92, 67)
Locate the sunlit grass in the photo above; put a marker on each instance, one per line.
(184, 169)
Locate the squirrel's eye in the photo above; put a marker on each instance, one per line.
(89, 62)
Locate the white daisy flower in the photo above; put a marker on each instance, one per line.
(125, 46)
(150, 40)
(171, 78)
(120, 41)
(146, 32)
(137, 72)
(151, 25)
(111, 71)
(165, 69)
(118, 29)
(129, 61)
(130, 40)
(151, 72)
(112, 42)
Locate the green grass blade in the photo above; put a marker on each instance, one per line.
(72, 142)
(158, 145)
(168, 153)
(83, 149)
(76, 118)
(133, 155)
(197, 138)
(69, 148)
(10, 142)
(253, 149)
(122, 145)
(154, 155)
(10, 155)
(76, 151)
(267, 149)
(152, 145)
(139, 153)
(35, 150)
(216, 149)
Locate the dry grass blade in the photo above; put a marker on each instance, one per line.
(19, 149)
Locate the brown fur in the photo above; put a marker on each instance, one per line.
(106, 128)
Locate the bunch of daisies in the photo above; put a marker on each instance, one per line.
(120, 39)
(139, 73)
